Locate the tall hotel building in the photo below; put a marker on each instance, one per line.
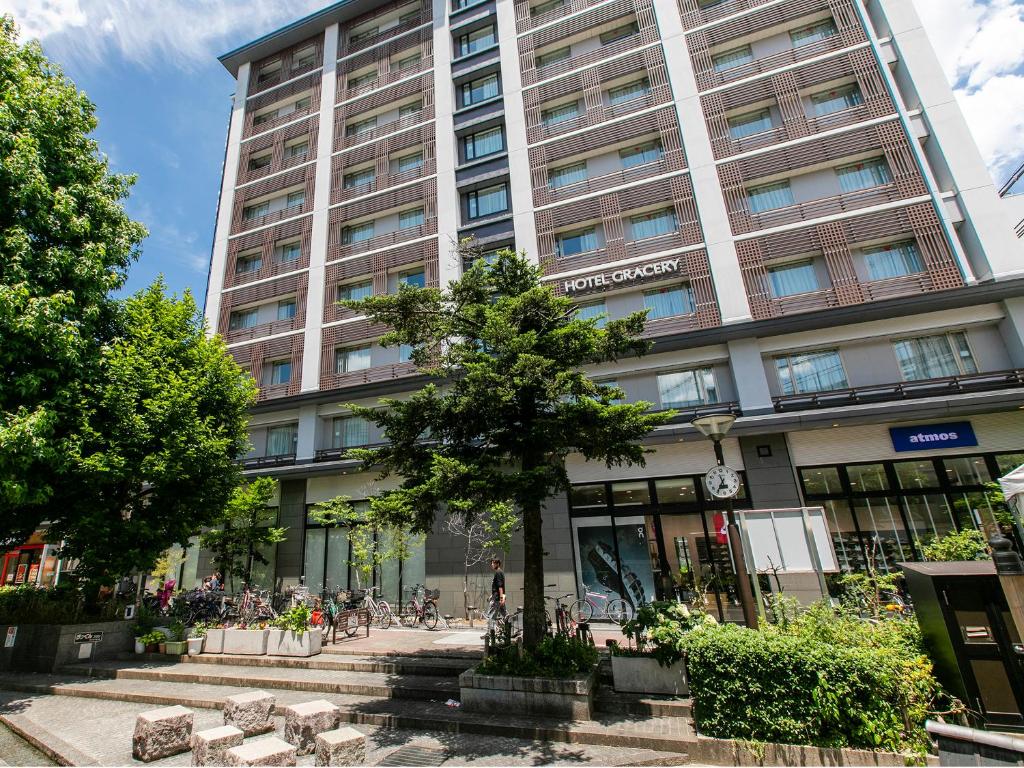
(788, 186)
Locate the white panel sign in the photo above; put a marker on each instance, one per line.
(778, 538)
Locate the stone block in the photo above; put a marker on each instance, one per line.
(282, 642)
(302, 723)
(268, 751)
(250, 712)
(344, 746)
(161, 733)
(209, 746)
(245, 642)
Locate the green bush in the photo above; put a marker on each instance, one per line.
(27, 604)
(659, 630)
(968, 544)
(826, 679)
(153, 638)
(558, 657)
(295, 619)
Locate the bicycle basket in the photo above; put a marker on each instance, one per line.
(432, 594)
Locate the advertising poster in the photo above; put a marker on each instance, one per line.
(600, 571)
(19, 577)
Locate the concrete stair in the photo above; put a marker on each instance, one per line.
(337, 662)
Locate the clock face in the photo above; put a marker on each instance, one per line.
(722, 482)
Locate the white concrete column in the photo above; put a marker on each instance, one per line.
(305, 448)
(748, 374)
(520, 182)
(446, 152)
(714, 217)
(218, 261)
(321, 218)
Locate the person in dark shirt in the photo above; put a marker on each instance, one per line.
(497, 607)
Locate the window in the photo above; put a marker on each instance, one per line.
(407, 62)
(246, 318)
(477, 40)
(260, 161)
(349, 432)
(935, 357)
(864, 175)
(487, 202)
(619, 33)
(281, 440)
(560, 114)
(410, 162)
(295, 199)
(360, 80)
(410, 109)
(413, 218)
(255, 211)
(813, 33)
(542, 8)
(299, 149)
(250, 262)
(573, 243)
(304, 58)
(414, 277)
(267, 71)
(629, 91)
(750, 124)
(592, 310)
(483, 143)
(769, 197)
(359, 178)
(810, 372)
(734, 58)
(685, 389)
(836, 100)
(413, 15)
(352, 359)
(363, 34)
(355, 291)
(670, 301)
(280, 372)
(289, 252)
(640, 155)
(479, 90)
(553, 57)
(404, 353)
(286, 309)
(791, 279)
(893, 260)
(304, 103)
(363, 126)
(264, 117)
(567, 174)
(653, 224)
(357, 233)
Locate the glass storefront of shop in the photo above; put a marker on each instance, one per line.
(886, 512)
(653, 539)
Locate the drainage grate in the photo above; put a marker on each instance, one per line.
(415, 756)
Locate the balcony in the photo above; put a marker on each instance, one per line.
(686, 415)
(381, 183)
(607, 180)
(696, 13)
(344, 141)
(906, 390)
(262, 462)
(592, 57)
(708, 77)
(590, 117)
(330, 380)
(338, 454)
(744, 221)
(348, 48)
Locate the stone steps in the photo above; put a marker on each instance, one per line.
(390, 665)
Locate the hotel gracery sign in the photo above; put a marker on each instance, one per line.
(621, 276)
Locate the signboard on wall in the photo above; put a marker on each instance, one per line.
(781, 538)
(622, 276)
(928, 437)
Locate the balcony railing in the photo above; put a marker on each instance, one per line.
(424, 64)
(606, 112)
(244, 224)
(336, 454)
(688, 414)
(906, 390)
(918, 282)
(622, 45)
(381, 183)
(346, 141)
(813, 209)
(806, 302)
(608, 180)
(341, 250)
(261, 462)
(711, 78)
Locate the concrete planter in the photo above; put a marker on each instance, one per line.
(571, 699)
(643, 674)
(176, 647)
(214, 641)
(246, 642)
(284, 642)
(195, 646)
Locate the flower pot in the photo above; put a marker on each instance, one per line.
(195, 646)
(284, 642)
(643, 674)
(247, 642)
(176, 647)
(153, 648)
(214, 641)
(140, 647)
(161, 648)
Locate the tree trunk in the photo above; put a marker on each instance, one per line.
(465, 591)
(534, 611)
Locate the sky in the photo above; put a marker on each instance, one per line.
(163, 99)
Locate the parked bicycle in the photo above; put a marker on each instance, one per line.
(602, 604)
(381, 614)
(565, 623)
(422, 608)
(252, 606)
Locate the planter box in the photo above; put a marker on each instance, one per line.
(284, 642)
(214, 641)
(571, 699)
(195, 646)
(247, 642)
(643, 674)
(176, 647)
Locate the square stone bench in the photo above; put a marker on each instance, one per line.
(344, 746)
(161, 733)
(302, 723)
(250, 712)
(267, 751)
(209, 746)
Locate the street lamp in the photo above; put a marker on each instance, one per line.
(715, 427)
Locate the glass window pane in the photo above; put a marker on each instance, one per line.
(836, 100)
(619, 33)
(813, 33)
(893, 260)
(670, 301)
(966, 470)
(355, 291)
(553, 57)
(845, 539)
(811, 372)
(569, 174)
(281, 440)
(676, 490)
(479, 90)
(353, 359)
(592, 310)
(560, 114)
(733, 58)
(484, 143)
(930, 516)
(1007, 462)
(821, 480)
(750, 124)
(487, 202)
(629, 91)
(281, 372)
(913, 475)
(867, 477)
(407, 219)
(410, 162)
(769, 197)
(641, 155)
(350, 432)
(415, 278)
(687, 388)
(653, 224)
(477, 40)
(792, 279)
(626, 494)
(573, 243)
(864, 175)
(588, 496)
(933, 357)
(313, 561)
(336, 574)
(886, 538)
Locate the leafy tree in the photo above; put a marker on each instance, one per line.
(65, 244)
(482, 538)
(516, 402)
(244, 528)
(154, 458)
(968, 544)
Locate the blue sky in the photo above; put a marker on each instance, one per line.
(163, 98)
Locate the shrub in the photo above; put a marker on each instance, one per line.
(968, 544)
(295, 619)
(153, 638)
(28, 604)
(659, 630)
(558, 657)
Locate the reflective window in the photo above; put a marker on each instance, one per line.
(619, 33)
(553, 57)
(734, 58)
(415, 278)
(811, 372)
(408, 219)
(934, 357)
(685, 389)
(286, 309)
(350, 432)
(836, 100)
(821, 481)
(593, 310)
(281, 372)
(632, 493)
(641, 155)
(1007, 462)
(792, 279)
(248, 263)
(567, 174)
(653, 224)
(629, 91)
(281, 441)
(246, 318)
(573, 243)
(768, 197)
(867, 477)
(477, 40)
(966, 470)
(864, 175)
(359, 178)
(483, 143)
(288, 252)
(352, 359)
(588, 496)
(487, 202)
(813, 33)
(893, 260)
(669, 301)
(750, 124)
(355, 291)
(357, 233)
(479, 90)
(560, 114)
(676, 490)
(913, 475)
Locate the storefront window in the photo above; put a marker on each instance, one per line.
(929, 516)
(884, 533)
(1007, 462)
(589, 496)
(845, 539)
(821, 481)
(630, 494)
(867, 477)
(676, 490)
(966, 470)
(913, 475)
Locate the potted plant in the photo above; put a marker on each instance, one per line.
(196, 636)
(151, 640)
(248, 640)
(289, 636)
(653, 661)
(176, 646)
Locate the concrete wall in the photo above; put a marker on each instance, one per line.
(292, 515)
(48, 647)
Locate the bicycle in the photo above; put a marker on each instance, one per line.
(254, 606)
(565, 623)
(416, 612)
(380, 612)
(615, 608)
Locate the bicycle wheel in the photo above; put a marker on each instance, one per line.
(350, 623)
(430, 615)
(411, 615)
(619, 611)
(581, 610)
(386, 617)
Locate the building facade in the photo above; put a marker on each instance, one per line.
(787, 186)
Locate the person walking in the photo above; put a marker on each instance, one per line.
(496, 611)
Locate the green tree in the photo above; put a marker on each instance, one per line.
(244, 528)
(514, 403)
(154, 459)
(968, 544)
(65, 244)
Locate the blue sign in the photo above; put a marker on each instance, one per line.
(927, 437)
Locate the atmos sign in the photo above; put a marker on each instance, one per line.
(624, 275)
(956, 434)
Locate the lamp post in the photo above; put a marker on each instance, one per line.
(715, 427)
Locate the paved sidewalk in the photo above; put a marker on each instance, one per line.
(460, 642)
